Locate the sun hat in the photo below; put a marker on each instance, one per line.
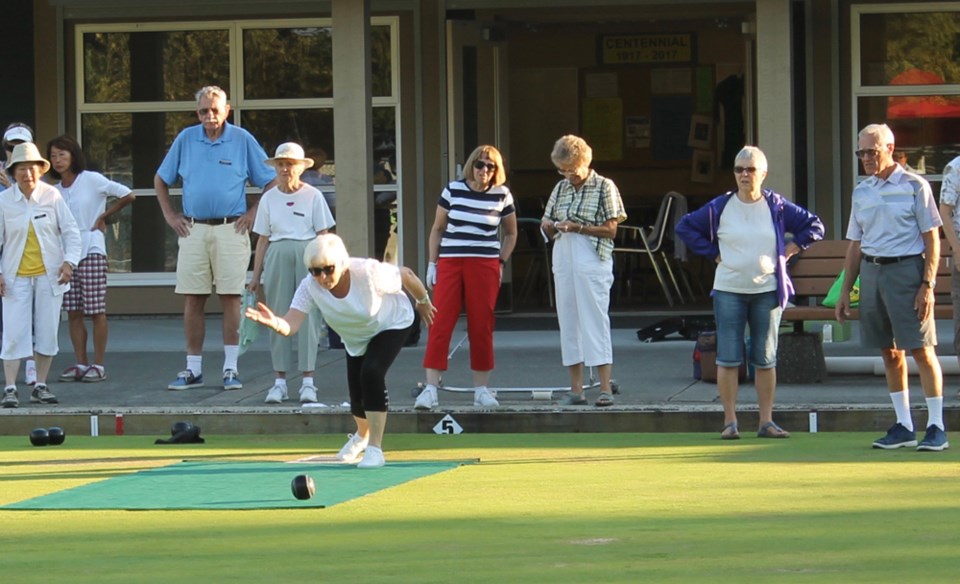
(27, 152)
(290, 151)
(18, 133)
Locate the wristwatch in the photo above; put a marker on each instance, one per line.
(424, 300)
(932, 284)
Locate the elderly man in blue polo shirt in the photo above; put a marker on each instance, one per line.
(894, 230)
(214, 160)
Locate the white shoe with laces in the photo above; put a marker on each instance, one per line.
(427, 400)
(483, 397)
(372, 458)
(352, 450)
(308, 394)
(277, 394)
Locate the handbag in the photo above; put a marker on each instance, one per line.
(830, 300)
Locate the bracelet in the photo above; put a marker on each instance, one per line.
(581, 228)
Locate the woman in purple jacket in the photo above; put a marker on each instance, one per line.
(745, 232)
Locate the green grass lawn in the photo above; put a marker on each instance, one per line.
(537, 508)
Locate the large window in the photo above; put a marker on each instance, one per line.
(906, 73)
(135, 93)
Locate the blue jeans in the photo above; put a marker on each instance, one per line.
(733, 311)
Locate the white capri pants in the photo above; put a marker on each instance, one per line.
(583, 283)
(31, 318)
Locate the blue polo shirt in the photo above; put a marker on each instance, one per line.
(215, 174)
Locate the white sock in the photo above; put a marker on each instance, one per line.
(901, 405)
(935, 412)
(281, 381)
(195, 364)
(230, 354)
(308, 381)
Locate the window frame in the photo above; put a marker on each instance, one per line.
(859, 90)
(237, 100)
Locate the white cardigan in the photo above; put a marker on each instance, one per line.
(53, 223)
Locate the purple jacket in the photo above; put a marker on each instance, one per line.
(698, 230)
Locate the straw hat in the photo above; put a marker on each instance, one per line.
(27, 152)
(290, 151)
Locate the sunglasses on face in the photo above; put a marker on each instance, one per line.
(325, 270)
(480, 165)
(744, 169)
(868, 153)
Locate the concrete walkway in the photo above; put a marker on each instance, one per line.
(657, 390)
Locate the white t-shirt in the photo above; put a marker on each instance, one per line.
(748, 248)
(297, 216)
(87, 200)
(375, 303)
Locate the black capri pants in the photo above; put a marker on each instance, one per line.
(367, 374)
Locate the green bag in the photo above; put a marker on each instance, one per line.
(830, 300)
(249, 329)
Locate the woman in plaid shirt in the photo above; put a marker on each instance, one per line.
(582, 217)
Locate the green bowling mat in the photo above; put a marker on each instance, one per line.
(233, 485)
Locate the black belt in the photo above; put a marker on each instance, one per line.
(884, 261)
(217, 221)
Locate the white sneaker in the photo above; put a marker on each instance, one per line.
(308, 394)
(372, 458)
(483, 397)
(277, 394)
(352, 450)
(427, 400)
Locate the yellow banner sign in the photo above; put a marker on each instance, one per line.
(646, 48)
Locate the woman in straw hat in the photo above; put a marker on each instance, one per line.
(289, 216)
(41, 248)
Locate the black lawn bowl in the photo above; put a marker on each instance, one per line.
(56, 436)
(179, 427)
(39, 437)
(302, 487)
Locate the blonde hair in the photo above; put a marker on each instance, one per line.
(500, 176)
(571, 150)
(326, 249)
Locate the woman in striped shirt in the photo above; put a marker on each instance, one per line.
(466, 266)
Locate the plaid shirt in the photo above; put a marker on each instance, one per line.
(597, 202)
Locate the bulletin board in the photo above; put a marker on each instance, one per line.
(544, 105)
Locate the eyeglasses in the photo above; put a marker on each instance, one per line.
(208, 110)
(326, 270)
(744, 169)
(480, 165)
(567, 171)
(867, 153)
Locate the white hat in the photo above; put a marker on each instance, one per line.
(18, 133)
(27, 152)
(290, 151)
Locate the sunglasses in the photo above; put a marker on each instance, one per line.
(480, 165)
(326, 270)
(744, 169)
(871, 153)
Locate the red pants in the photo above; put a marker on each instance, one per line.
(476, 283)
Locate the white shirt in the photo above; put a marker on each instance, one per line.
(87, 199)
(375, 303)
(748, 248)
(53, 223)
(298, 216)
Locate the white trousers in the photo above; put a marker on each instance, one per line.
(31, 318)
(582, 281)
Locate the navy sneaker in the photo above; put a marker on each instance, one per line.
(897, 437)
(231, 380)
(935, 439)
(186, 380)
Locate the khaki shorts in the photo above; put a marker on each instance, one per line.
(213, 256)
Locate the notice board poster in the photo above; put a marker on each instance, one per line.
(603, 127)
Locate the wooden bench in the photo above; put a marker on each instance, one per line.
(814, 271)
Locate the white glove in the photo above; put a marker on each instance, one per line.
(431, 275)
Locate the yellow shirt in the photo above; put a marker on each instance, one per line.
(31, 264)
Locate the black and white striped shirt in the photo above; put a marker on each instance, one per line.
(472, 219)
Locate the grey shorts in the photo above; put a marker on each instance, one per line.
(887, 316)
